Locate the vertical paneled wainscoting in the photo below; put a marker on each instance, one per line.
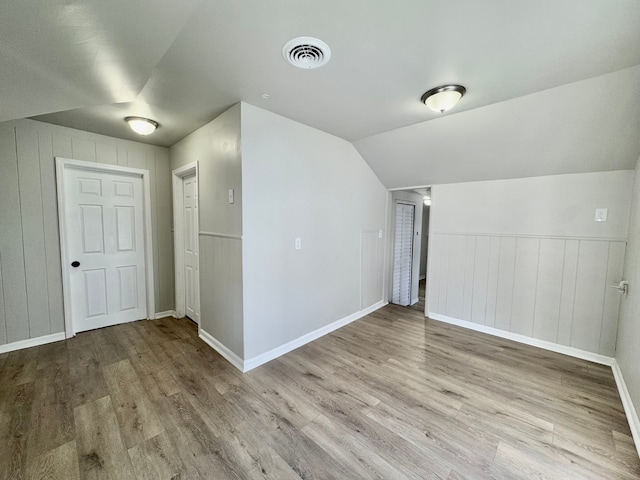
(221, 317)
(31, 310)
(552, 289)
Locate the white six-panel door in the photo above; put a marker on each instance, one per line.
(105, 247)
(190, 236)
(186, 231)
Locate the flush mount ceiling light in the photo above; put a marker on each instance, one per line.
(441, 99)
(141, 125)
(306, 52)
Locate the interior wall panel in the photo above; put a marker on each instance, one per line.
(480, 279)
(106, 153)
(589, 299)
(445, 272)
(525, 285)
(83, 149)
(455, 280)
(136, 157)
(433, 273)
(492, 281)
(506, 272)
(165, 274)
(221, 290)
(3, 324)
(548, 290)
(11, 246)
(29, 183)
(568, 296)
(51, 231)
(150, 165)
(469, 261)
(552, 289)
(61, 145)
(29, 238)
(123, 155)
(611, 309)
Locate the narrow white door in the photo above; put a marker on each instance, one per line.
(403, 254)
(105, 246)
(190, 233)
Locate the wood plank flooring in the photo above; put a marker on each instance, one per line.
(391, 396)
(420, 305)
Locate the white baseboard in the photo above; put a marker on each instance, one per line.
(219, 347)
(516, 337)
(414, 301)
(32, 342)
(309, 337)
(168, 313)
(627, 403)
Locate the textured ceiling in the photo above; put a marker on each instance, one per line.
(87, 64)
(58, 55)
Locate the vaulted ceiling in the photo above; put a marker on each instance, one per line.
(88, 64)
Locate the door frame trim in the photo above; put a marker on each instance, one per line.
(63, 163)
(177, 177)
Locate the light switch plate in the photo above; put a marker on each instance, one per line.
(379, 233)
(601, 215)
(298, 243)
(231, 195)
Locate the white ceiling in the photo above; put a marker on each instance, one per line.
(586, 126)
(87, 64)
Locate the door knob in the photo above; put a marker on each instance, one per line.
(75, 264)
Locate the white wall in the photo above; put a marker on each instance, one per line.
(30, 269)
(628, 345)
(525, 256)
(217, 149)
(417, 236)
(301, 182)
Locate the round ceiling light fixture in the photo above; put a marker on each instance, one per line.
(306, 52)
(441, 99)
(141, 125)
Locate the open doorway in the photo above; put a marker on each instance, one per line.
(410, 227)
(424, 249)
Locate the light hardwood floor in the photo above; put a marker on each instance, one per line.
(391, 396)
(422, 287)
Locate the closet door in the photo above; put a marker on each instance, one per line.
(104, 231)
(403, 253)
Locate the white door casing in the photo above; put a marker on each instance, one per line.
(105, 229)
(186, 241)
(403, 253)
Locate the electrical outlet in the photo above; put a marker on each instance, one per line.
(601, 215)
(231, 195)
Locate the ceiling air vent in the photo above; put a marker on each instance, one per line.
(306, 52)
